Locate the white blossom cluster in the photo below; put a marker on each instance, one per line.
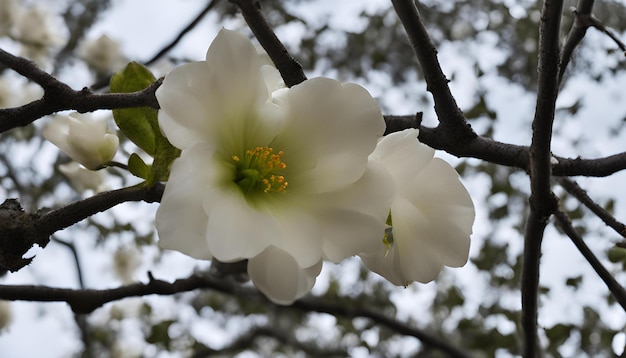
(40, 32)
(290, 177)
(36, 28)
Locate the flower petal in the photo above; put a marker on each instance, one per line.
(323, 115)
(280, 278)
(300, 236)
(184, 117)
(237, 231)
(236, 73)
(57, 131)
(439, 193)
(354, 219)
(403, 156)
(413, 242)
(180, 219)
(206, 97)
(180, 136)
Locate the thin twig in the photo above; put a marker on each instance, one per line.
(542, 201)
(573, 188)
(104, 82)
(79, 271)
(595, 22)
(616, 289)
(450, 116)
(182, 34)
(290, 70)
(576, 33)
(81, 320)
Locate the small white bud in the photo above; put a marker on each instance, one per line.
(84, 139)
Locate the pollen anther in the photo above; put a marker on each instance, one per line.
(261, 166)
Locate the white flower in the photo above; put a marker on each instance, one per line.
(125, 263)
(431, 214)
(274, 175)
(40, 31)
(8, 15)
(84, 139)
(82, 179)
(38, 27)
(102, 54)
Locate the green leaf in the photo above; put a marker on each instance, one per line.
(617, 254)
(558, 334)
(159, 334)
(164, 156)
(140, 125)
(574, 281)
(137, 167)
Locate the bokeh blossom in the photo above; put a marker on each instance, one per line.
(102, 54)
(431, 214)
(39, 30)
(278, 176)
(82, 179)
(126, 260)
(82, 138)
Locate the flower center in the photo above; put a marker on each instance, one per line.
(258, 170)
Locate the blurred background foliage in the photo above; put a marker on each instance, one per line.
(372, 50)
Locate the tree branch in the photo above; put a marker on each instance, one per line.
(290, 70)
(542, 201)
(574, 189)
(503, 153)
(79, 270)
(357, 310)
(58, 96)
(20, 230)
(65, 216)
(247, 339)
(86, 301)
(576, 33)
(450, 116)
(599, 167)
(616, 289)
(600, 26)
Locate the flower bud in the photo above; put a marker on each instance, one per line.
(83, 139)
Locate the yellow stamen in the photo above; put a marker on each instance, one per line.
(259, 170)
